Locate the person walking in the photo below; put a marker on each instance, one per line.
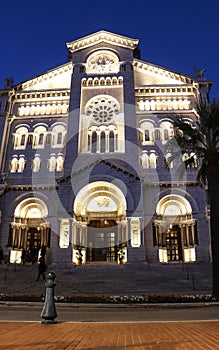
(7, 254)
(41, 269)
(23, 256)
(43, 253)
(1, 254)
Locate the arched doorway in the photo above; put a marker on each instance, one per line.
(175, 231)
(102, 238)
(99, 227)
(29, 230)
(173, 243)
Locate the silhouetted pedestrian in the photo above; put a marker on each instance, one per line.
(7, 254)
(34, 254)
(23, 256)
(1, 254)
(43, 252)
(41, 269)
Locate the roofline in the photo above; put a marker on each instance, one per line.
(193, 79)
(41, 74)
(102, 35)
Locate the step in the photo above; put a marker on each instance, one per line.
(109, 279)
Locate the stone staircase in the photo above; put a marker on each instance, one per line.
(138, 279)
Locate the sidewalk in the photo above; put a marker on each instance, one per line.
(98, 335)
(111, 336)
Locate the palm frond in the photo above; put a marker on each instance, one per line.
(202, 174)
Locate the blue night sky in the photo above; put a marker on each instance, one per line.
(178, 35)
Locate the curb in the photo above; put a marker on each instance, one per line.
(104, 306)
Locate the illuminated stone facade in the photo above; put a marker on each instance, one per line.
(83, 167)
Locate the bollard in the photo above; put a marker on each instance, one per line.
(49, 310)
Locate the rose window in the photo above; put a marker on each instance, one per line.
(102, 111)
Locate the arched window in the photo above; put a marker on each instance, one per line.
(116, 141)
(168, 162)
(36, 163)
(94, 142)
(52, 162)
(146, 135)
(13, 164)
(59, 138)
(89, 142)
(191, 160)
(157, 134)
(111, 141)
(166, 130)
(153, 160)
(194, 159)
(147, 132)
(102, 142)
(39, 137)
(17, 164)
(145, 160)
(21, 164)
(59, 162)
(166, 135)
(30, 139)
(21, 138)
(58, 135)
(185, 157)
(48, 138)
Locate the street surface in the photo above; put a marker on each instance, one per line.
(111, 313)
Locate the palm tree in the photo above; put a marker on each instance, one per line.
(201, 141)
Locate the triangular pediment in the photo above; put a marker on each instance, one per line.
(57, 78)
(102, 36)
(151, 74)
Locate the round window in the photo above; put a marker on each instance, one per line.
(102, 111)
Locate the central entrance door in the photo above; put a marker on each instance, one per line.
(102, 240)
(33, 244)
(174, 244)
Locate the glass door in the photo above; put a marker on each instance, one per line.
(102, 240)
(173, 244)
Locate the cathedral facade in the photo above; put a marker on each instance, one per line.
(83, 164)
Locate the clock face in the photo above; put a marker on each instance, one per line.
(103, 110)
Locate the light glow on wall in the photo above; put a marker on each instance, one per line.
(163, 256)
(189, 255)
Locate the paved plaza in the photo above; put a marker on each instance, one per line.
(100, 327)
(111, 336)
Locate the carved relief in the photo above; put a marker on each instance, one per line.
(103, 201)
(103, 63)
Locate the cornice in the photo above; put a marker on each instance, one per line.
(44, 76)
(102, 36)
(167, 90)
(170, 184)
(153, 68)
(31, 187)
(54, 94)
